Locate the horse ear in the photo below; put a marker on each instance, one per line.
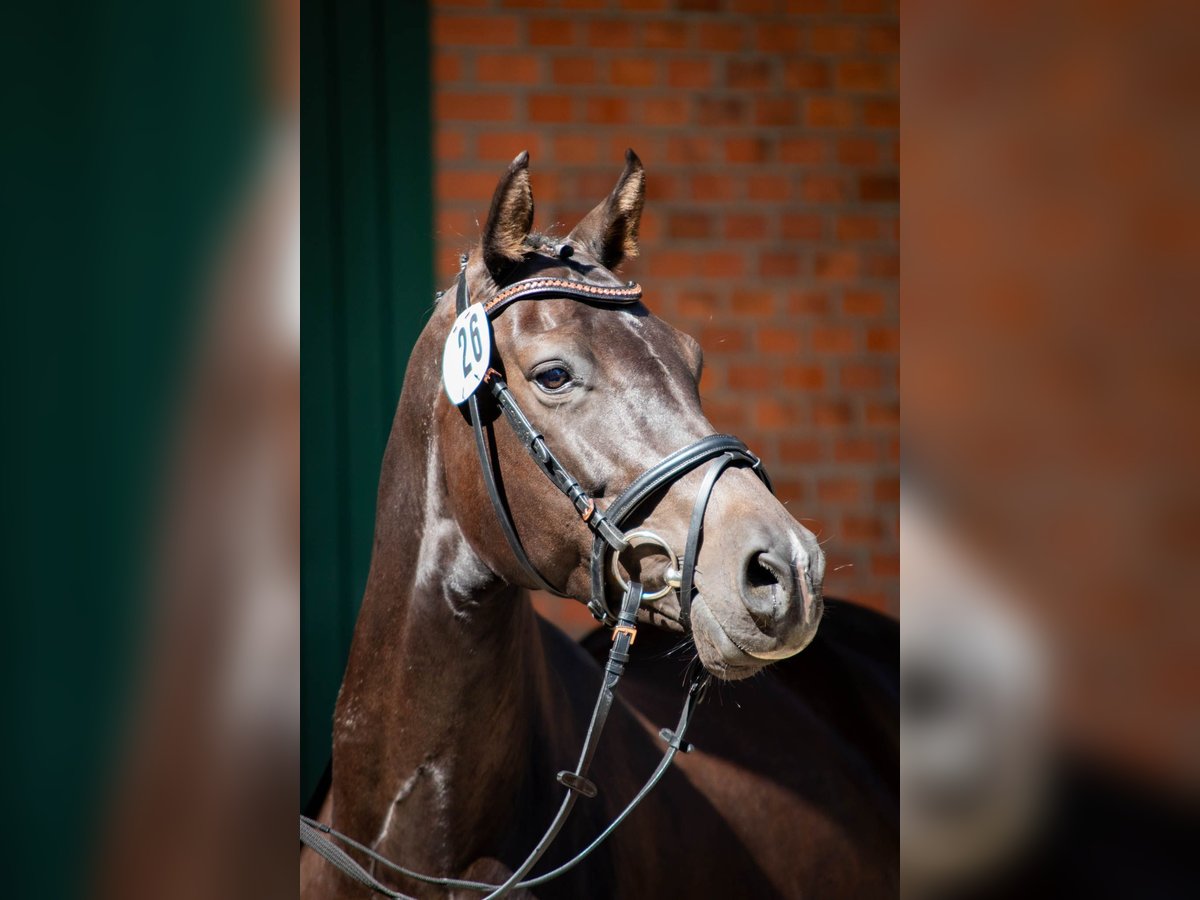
(610, 231)
(510, 218)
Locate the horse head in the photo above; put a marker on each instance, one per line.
(613, 391)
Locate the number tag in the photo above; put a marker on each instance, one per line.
(467, 354)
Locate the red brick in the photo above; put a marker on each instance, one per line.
(883, 340)
(836, 266)
(610, 34)
(828, 112)
(822, 189)
(722, 265)
(805, 151)
(777, 413)
(769, 340)
(885, 564)
(856, 450)
(503, 146)
(775, 111)
(832, 412)
(456, 185)
(662, 187)
(551, 32)
(807, 7)
(721, 111)
(865, 7)
(575, 149)
(789, 490)
(664, 35)
(473, 107)
(698, 304)
(749, 377)
(753, 303)
(508, 69)
(859, 75)
(838, 490)
(862, 303)
(860, 376)
(569, 70)
(449, 145)
(457, 224)
(834, 339)
(690, 225)
(806, 74)
(801, 450)
(689, 73)
(882, 40)
(879, 188)
(809, 303)
(882, 265)
(878, 113)
(634, 72)
(858, 228)
(480, 31)
(862, 528)
(722, 339)
(857, 151)
(779, 264)
(769, 188)
(745, 226)
(665, 111)
(644, 4)
(801, 227)
(721, 36)
(887, 490)
(607, 110)
(712, 187)
(778, 38)
(833, 38)
(883, 415)
(684, 149)
(749, 74)
(747, 150)
(550, 108)
(446, 67)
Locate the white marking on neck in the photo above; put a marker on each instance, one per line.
(439, 528)
(441, 796)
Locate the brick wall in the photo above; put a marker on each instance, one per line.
(769, 133)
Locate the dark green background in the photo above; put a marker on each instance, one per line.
(367, 276)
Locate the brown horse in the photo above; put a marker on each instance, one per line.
(459, 703)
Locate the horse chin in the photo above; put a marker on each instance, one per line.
(717, 650)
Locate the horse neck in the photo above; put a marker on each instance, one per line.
(447, 667)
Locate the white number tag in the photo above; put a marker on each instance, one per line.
(467, 354)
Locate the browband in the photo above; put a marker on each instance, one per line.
(530, 288)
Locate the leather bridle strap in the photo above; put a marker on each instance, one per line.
(530, 438)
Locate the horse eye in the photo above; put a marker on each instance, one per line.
(553, 379)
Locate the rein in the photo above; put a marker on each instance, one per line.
(722, 450)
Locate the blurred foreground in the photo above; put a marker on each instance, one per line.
(1051, 513)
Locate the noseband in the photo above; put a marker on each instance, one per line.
(722, 450)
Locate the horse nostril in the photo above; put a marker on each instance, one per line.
(767, 585)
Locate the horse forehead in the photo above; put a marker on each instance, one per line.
(612, 333)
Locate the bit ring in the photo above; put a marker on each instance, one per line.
(672, 575)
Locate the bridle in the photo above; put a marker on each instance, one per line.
(722, 450)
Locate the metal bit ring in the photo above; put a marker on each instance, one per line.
(671, 577)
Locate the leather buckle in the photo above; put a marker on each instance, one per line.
(630, 630)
